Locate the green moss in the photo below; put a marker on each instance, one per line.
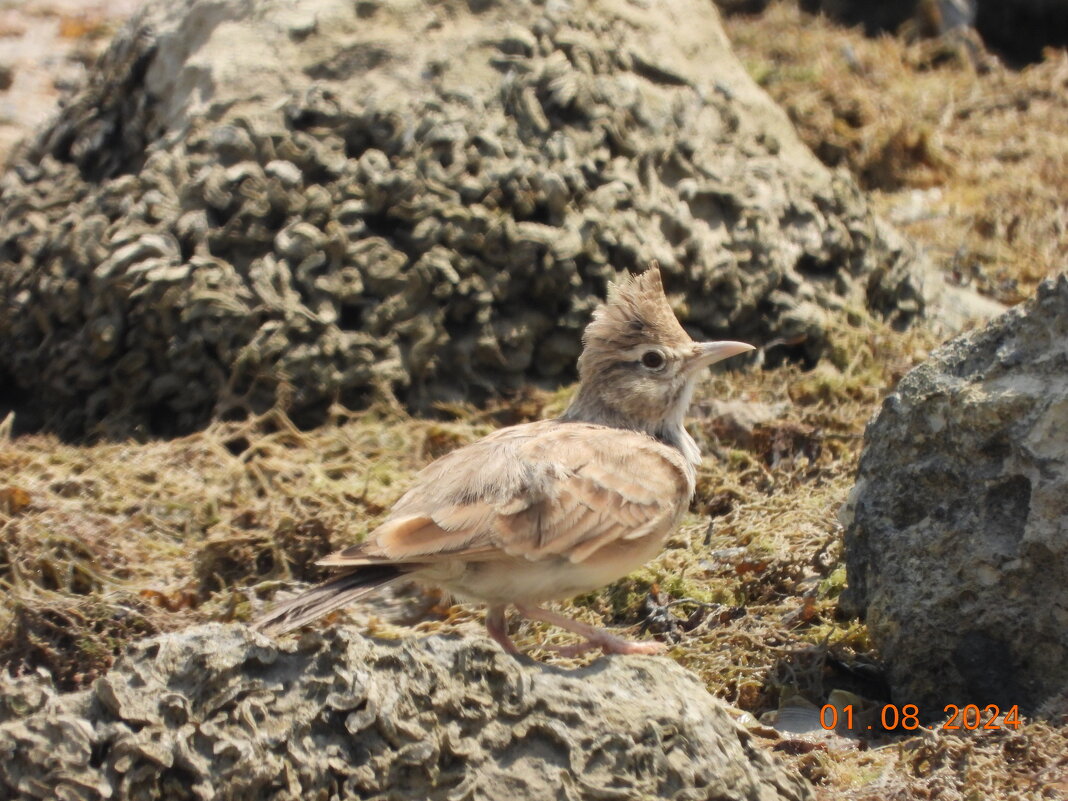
(832, 586)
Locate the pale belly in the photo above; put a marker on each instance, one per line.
(510, 580)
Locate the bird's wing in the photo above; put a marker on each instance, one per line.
(533, 491)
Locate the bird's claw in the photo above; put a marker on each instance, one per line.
(610, 645)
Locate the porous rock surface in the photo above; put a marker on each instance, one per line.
(218, 712)
(957, 529)
(341, 196)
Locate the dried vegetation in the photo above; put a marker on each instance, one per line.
(970, 159)
(102, 545)
(967, 156)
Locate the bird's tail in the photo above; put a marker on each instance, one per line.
(326, 597)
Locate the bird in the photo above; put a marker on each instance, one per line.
(548, 510)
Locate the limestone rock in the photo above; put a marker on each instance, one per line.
(957, 528)
(348, 197)
(217, 712)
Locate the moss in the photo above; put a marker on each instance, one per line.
(832, 586)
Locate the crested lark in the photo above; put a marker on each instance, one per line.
(548, 510)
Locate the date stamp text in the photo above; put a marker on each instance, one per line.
(969, 717)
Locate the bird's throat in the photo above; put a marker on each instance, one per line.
(587, 407)
(679, 438)
(672, 428)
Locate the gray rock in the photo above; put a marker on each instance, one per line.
(217, 712)
(957, 529)
(427, 198)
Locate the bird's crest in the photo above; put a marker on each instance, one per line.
(637, 312)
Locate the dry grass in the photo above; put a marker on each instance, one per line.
(968, 157)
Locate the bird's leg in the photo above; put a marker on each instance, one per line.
(596, 637)
(497, 627)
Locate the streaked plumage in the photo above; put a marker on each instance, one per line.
(548, 510)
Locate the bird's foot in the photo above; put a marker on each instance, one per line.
(497, 627)
(620, 646)
(577, 649)
(595, 637)
(610, 644)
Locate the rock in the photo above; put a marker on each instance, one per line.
(957, 529)
(957, 308)
(425, 198)
(217, 712)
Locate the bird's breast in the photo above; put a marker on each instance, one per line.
(510, 580)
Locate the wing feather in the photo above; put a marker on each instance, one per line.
(535, 491)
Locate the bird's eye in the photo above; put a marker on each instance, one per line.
(653, 359)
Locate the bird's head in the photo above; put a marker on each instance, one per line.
(638, 366)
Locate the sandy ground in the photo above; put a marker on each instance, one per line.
(45, 47)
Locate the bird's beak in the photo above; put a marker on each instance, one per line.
(706, 353)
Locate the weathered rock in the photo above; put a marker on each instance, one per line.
(427, 197)
(217, 713)
(957, 528)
